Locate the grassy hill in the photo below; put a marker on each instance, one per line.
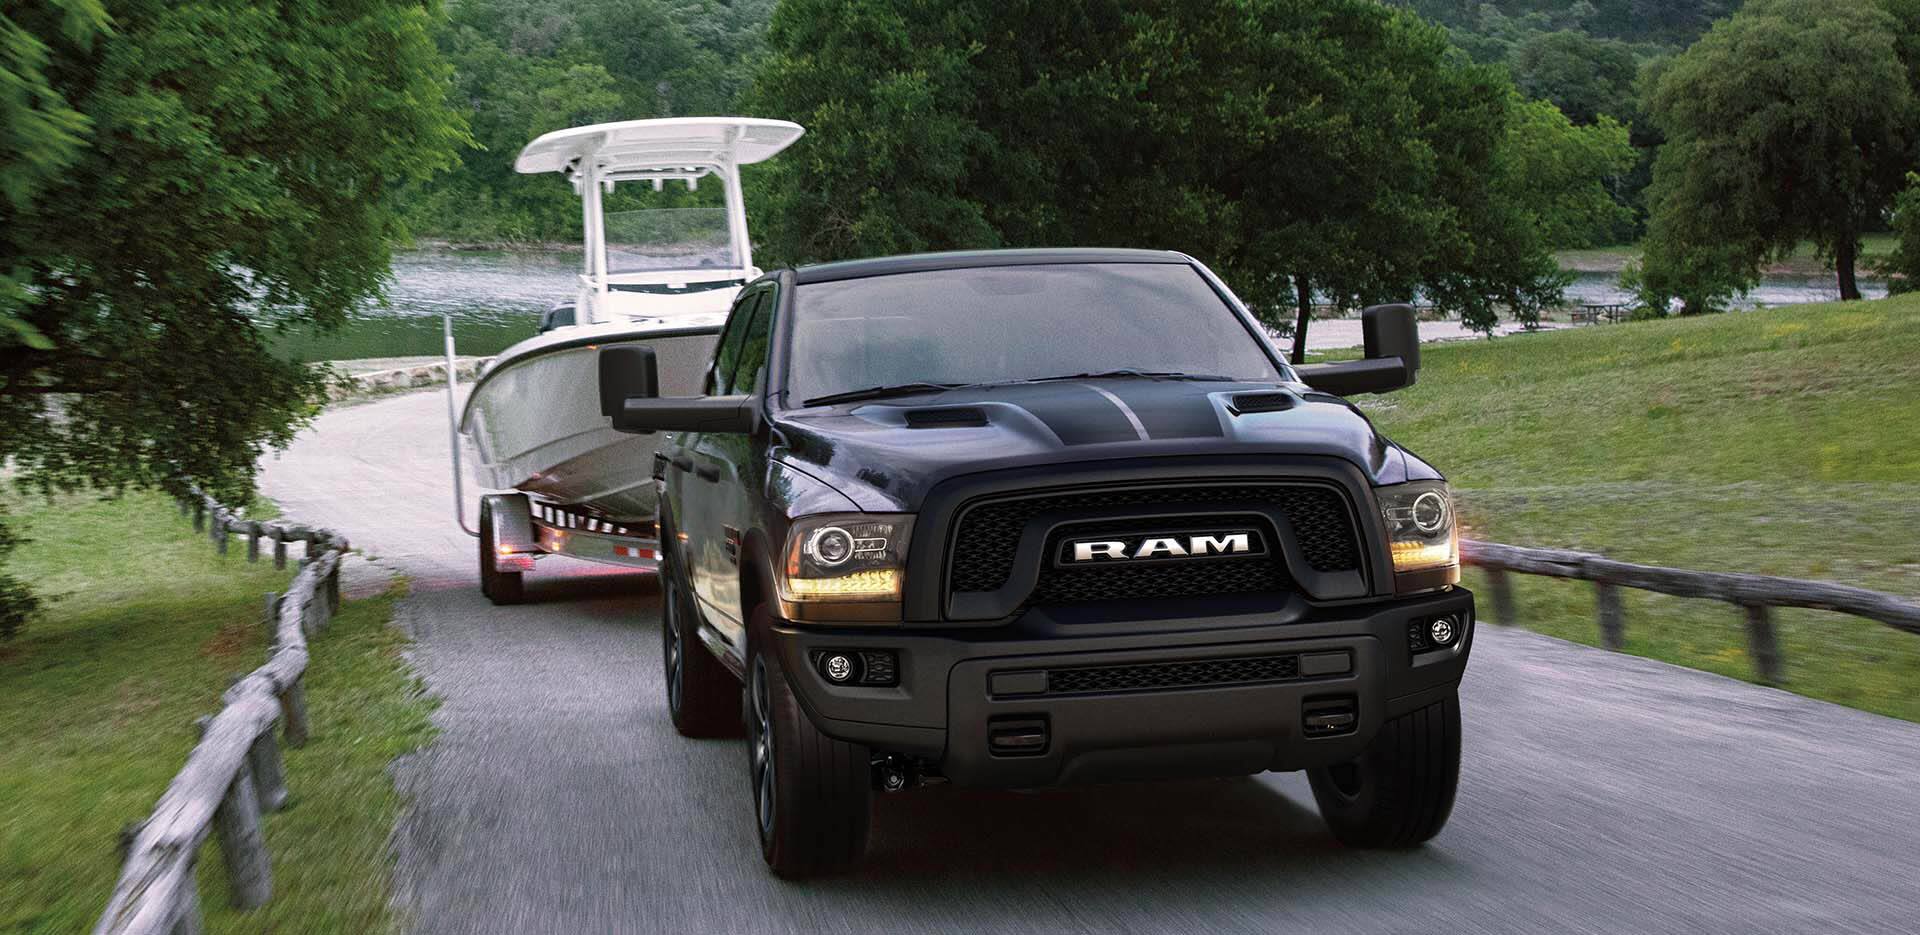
(1785, 442)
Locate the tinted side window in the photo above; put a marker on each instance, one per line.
(727, 352)
(753, 350)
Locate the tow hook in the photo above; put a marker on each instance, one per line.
(894, 773)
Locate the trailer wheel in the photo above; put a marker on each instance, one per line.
(500, 587)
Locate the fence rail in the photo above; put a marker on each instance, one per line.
(1755, 595)
(233, 775)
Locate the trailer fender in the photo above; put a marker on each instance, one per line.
(513, 522)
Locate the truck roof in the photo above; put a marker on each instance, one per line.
(970, 259)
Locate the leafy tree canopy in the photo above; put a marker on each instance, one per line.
(204, 167)
(525, 67)
(1587, 78)
(1325, 151)
(1663, 22)
(1902, 267)
(1793, 121)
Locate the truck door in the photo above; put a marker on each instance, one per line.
(715, 582)
(695, 476)
(741, 461)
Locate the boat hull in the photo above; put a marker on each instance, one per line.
(533, 420)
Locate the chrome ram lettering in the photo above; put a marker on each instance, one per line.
(1200, 545)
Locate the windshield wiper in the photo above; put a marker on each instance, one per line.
(878, 392)
(1133, 373)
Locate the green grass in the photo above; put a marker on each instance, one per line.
(97, 699)
(408, 336)
(1780, 441)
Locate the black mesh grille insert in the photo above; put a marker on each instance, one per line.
(989, 535)
(1165, 676)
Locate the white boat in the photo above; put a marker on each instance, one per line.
(662, 277)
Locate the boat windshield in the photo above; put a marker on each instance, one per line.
(668, 239)
(1015, 323)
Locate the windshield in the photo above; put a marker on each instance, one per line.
(668, 239)
(995, 324)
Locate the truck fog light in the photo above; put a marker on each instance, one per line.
(1442, 631)
(837, 667)
(868, 668)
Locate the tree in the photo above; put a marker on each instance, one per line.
(1793, 121)
(227, 175)
(1902, 266)
(1585, 77)
(525, 67)
(1312, 151)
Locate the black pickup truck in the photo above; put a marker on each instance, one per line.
(1018, 519)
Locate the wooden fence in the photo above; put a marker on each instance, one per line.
(233, 775)
(1755, 595)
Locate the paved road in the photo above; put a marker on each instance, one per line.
(1600, 792)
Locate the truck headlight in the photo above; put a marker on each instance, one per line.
(1420, 528)
(846, 557)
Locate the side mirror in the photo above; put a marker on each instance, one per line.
(626, 371)
(630, 397)
(1392, 336)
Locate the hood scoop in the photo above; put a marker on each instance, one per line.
(951, 417)
(1248, 403)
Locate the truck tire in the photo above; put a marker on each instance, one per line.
(812, 794)
(500, 587)
(702, 696)
(1399, 792)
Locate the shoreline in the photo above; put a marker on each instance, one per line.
(1586, 262)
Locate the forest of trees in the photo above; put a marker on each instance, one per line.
(525, 66)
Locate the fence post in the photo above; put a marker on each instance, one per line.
(1502, 585)
(237, 822)
(293, 713)
(1763, 644)
(279, 548)
(253, 541)
(219, 534)
(273, 622)
(199, 516)
(269, 776)
(1613, 616)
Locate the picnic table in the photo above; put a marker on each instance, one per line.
(1596, 313)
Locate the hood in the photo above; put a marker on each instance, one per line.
(887, 455)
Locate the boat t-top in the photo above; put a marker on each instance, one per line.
(662, 277)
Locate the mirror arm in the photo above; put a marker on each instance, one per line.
(1352, 377)
(729, 414)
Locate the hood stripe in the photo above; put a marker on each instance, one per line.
(1171, 409)
(1125, 410)
(1076, 414)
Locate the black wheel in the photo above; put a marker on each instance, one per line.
(702, 696)
(500, 587)
(1399, 792)
(812, 795)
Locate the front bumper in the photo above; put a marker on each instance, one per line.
(1128, 707)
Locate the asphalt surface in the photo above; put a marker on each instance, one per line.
(1600, 792)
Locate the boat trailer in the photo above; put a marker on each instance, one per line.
(517, 528)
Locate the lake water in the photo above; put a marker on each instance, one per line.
(496, 299)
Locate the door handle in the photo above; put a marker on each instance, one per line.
(683, 462)
(707, 472)
(731, 535)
